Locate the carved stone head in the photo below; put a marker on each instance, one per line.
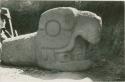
(63, 37)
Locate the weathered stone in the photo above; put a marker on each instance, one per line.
(67, 51)
(56, 26)
(88, 26)
(19, 50)
(60, 43)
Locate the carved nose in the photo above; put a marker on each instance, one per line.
(88, 26)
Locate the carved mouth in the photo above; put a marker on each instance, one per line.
(71, 60)
(75, 51)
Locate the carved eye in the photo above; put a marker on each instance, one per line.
(53, 28)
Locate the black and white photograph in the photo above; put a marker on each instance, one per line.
(62, 41)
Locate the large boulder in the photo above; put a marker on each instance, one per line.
(60, 43)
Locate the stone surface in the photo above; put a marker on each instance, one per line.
(88, 26)
(63, 19)
(75, 30)
(60, 43)
(19, 50)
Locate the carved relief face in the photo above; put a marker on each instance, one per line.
(58, 47)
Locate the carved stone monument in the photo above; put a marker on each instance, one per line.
(60, 43)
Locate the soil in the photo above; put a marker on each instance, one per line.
(33, 74)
